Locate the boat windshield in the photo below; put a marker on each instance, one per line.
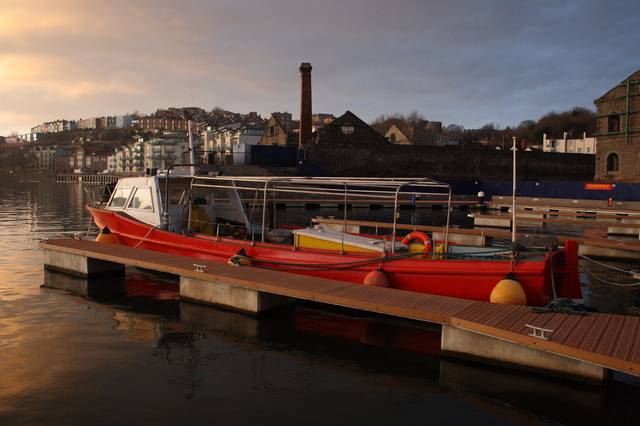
(119, 198)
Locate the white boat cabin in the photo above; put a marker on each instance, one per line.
(143, 198)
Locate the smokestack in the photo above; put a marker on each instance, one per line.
(305, 105)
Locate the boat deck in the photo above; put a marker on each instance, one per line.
(606, 340)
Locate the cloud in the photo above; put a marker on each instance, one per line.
(461, 61)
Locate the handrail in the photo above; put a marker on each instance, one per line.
(165, 213)
(372, 188)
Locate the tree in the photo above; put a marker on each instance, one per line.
(453, 132)
(412, 120)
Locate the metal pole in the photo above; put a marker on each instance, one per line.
(165, 213)
(344, 224)
(446, 231)
(264, 210)
(395, 220)
(513, 196)
(192, 153)
(275, 221)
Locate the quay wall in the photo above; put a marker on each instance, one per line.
(458, 163)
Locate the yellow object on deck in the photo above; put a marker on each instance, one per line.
(416, 247)
(304, 241)
(200, 221)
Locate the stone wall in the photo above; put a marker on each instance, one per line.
(620, 103)
(449, 162)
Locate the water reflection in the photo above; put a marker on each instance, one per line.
(113, 352)
(210, 349)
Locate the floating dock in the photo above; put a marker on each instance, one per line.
(589, 245)
(567, 205)
(586, 347)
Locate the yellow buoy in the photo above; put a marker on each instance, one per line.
(508, 291)
(106, 237)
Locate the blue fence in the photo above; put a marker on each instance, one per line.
(548, 189)
(273, 156)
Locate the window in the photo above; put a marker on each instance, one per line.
(613, 124)
(612, 163)
(348, 129)
(120, 197)
(141, 199)
(392, 138)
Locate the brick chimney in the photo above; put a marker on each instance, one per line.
(305, 105)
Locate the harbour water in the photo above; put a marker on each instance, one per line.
(130, 353)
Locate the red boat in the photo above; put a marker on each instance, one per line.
(206, 217)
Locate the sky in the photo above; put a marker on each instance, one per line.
(468, 62)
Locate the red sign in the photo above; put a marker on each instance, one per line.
(598, 186)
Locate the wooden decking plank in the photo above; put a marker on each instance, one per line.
(581, 330)
(369, 298)
(556, 323)
(485, 311)
(634, 353)
(541, 320)
(439, 305)
(624, 344)
(456, 305)
(510, 317)
(610, 335)
(568, 328)
(495, 315)
(472, 311)
(595, 333)
(412, 303)
(518, 326)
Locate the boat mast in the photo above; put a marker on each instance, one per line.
(513, 195)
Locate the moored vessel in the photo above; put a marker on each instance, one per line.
(233, 219)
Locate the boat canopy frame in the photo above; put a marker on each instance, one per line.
(389, 189)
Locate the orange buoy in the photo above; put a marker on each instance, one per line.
(376, 278)
(508, 291)
(106, 237)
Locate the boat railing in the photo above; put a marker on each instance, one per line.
(389, 189)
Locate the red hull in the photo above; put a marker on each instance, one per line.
(469, 279)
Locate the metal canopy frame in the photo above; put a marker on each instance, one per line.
(355, 187)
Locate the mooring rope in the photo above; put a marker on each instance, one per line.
(236, 259)
(631, 272)
(588, 259)
(603, 280)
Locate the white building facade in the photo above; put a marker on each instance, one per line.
(232, 144)
(572, 146)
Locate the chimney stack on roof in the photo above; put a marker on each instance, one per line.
(305, 105)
